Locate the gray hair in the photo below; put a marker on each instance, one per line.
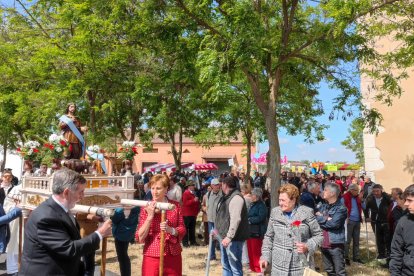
(257, 192)
(312, 185)
(334, 188)
(66, 179)
(353, 187)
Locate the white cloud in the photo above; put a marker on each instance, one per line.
(332, 150)
(283, 141)
(301, 146)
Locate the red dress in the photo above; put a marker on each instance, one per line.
(172, 249)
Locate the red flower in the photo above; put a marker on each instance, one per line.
(63, 143)
(121, 149)
(134, 149)
(19, 150)
(35, 150)
(296, 223)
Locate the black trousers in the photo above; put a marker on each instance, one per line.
(382, 238)
(190, 224)
(123, 258)
(333, 261)
(89, 263)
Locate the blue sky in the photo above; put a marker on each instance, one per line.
(330, 149)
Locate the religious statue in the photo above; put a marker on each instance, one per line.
(73, 133)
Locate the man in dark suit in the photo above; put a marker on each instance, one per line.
(376, 212)
(52, 242)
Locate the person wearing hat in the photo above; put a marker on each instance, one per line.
(191, 207)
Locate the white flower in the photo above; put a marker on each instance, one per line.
(128, 144)
(30, 152)
(53, 138)
(31, 144)
(58, 149)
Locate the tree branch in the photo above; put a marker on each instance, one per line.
(254, 84)
(39, 25)
(325, 35)
(199, 21)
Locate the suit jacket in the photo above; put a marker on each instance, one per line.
(378, 214)
(52, 243)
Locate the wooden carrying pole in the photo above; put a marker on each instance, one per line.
(103, 256)
(20, 240)
(162, 245)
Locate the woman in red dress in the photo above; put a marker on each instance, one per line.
(150, 227)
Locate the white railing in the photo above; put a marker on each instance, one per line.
(100, 190)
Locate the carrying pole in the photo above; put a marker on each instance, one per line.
(162, 245)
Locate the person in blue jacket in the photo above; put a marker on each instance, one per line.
(257, 218)
(4, 225)
(123, 230)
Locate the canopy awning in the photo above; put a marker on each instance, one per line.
(262, 159)
(205, 167)
(165, 167)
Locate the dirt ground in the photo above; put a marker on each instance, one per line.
(194, 260)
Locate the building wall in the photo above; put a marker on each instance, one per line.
(389, 156)
(196, 155)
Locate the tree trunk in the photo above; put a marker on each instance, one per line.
(248, 134)
(274, 159)
(92, 113)
(177, 154)
(3, 164)
(180, 146)
(272, 136)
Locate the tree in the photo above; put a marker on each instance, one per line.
(236, 115)
(87, 53)
(354, 140)
(284, 49)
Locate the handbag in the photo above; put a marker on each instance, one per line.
(307, 271)
(310, 272)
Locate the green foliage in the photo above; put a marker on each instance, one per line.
(354, 140)
(178, 66)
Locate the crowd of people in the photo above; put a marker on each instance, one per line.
(329, 210)
(317, 212)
